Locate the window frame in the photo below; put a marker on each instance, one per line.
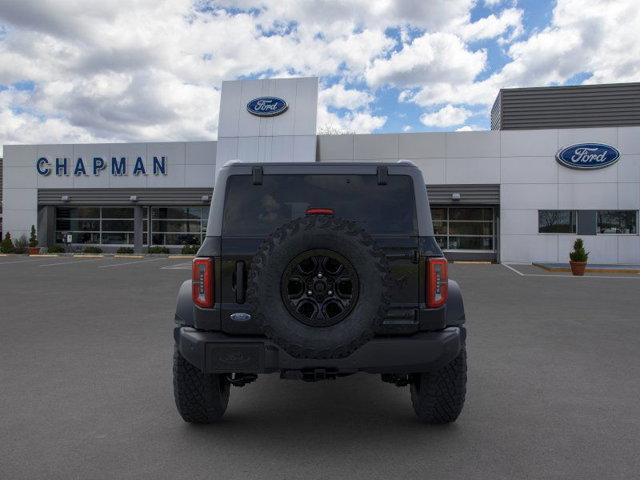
(616, 233)
(447, 221)
(573, 211)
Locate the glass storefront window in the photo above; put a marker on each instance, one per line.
(464, 228)
(618, 221)
(557, 221)
(178, 225)
(95, 225)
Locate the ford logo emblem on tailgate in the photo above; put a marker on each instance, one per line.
(588, 156)
(267, 106)
(240, 317)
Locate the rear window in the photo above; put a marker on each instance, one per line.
(259, 209)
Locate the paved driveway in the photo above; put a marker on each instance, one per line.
(85, 376)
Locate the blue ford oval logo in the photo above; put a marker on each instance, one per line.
(240, 317)
(588, 156)
(267, 106)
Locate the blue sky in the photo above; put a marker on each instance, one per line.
(77, 71)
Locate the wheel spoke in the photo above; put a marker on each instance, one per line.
(319, 287)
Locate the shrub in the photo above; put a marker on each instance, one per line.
(158, 249)
(579, 254)
(55, 249)
(21, 244)
(92, 249)
(190, 249)
(125, 251)
(7, 244)
(33, 238)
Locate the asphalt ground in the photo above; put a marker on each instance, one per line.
(85, 386)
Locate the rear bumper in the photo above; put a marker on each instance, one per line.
(214, 352)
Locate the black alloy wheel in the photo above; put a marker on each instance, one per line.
(319, 288)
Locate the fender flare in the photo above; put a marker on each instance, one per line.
(455, 306)
(184, 306)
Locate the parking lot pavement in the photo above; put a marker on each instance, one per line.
(85, 370)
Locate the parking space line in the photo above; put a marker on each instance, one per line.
(129, 263)
(30, 260)
(179, 266)
(513, 269)
(70, 263)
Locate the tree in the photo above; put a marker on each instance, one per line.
(333, 129)
(7, 244)
(33, 238)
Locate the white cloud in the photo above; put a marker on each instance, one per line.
(151, 69)
(469, 128)
(447, 116)
(351, 122)
(432, 57)
(492, 3)
(338, 96)
(509, 20)
(583, 37)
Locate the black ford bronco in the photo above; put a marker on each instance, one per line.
(317, 271)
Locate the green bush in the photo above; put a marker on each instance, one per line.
(21, 244)
(7, 244)
(33, 238)
(125, 251)
(190, 249)
(158, 249)
(579, 254)
(55, 249)
(92, 249)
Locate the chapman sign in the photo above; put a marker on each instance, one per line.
(96, 165)
(267, 106)
(588, 156)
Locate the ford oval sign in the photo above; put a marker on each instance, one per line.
(588, 156)
(267, 106)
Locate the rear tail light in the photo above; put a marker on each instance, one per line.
(319, 211)
(202, 282)
(437, 282)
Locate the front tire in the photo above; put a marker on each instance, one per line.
(438, 397)
(200, 397)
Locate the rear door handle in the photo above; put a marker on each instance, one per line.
(240, 282)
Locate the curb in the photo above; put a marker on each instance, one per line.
(183, 257)
(589, 270)
(123, 255)
(88, 255)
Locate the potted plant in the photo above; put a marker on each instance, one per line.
(21, 245)
(33, 242)
(578, 258)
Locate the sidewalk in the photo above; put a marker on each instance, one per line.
(592, 268)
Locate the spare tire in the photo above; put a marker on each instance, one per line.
(318, 286)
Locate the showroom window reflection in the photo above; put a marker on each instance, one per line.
(169, 226)
(618, 222)
(178, 225)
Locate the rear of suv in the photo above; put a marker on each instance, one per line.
(317, 271)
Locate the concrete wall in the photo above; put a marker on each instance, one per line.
(189, 164)
(288, 137)
(523, 163)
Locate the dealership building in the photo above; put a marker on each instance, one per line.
(559, 163)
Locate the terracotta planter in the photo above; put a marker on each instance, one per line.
(578, 268)
(34, 250)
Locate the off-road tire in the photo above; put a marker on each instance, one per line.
(200, 397)
(305, 234)
(438, 397)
